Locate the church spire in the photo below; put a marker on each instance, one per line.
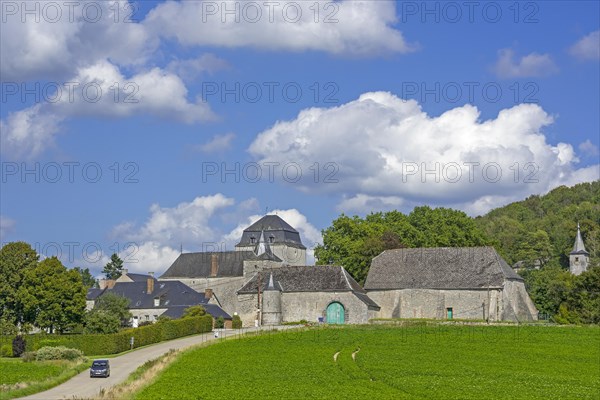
(579, 257)
(579, 247)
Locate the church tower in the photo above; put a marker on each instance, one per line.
(271, 234)
(579, 257)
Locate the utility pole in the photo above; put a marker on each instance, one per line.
(259, 308)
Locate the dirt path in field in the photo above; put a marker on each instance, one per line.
(82, 386)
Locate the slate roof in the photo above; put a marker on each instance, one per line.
(197, 265)
(137, 277)
(275, 229)
(93, 293)
(439, 268)
(320, 278)
(171, 293)
(175, 296)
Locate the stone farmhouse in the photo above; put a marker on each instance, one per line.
(265, 280)
(448, 282)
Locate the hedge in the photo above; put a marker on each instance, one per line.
(99, 344)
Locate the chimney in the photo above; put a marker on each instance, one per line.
(208, 293)
(106, 283)
(150, 285)
(214, 265)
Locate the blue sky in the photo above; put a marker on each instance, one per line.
(396, 104)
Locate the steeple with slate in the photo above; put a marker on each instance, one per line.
(579, 258)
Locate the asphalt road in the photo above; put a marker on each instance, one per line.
(82, 386)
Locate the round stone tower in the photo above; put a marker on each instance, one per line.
(271, 303)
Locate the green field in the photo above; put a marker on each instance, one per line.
(18, 378)
(427, 361)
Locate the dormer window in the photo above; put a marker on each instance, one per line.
(156, 301)
(271, 239)
(252, 240)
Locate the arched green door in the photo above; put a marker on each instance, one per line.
(335, 313)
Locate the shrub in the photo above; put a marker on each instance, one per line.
(18, 345)
(236, 322)
(6, 350)
(58, 353)
(28, 356)
(163, 318)
(220, 323)
(145, 323)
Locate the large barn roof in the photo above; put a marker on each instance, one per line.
(439, 268)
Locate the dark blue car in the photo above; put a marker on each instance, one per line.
(100, 368)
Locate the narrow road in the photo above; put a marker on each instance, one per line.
(82, 386)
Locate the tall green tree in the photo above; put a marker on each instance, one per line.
(101, 321)
(353, 241)
(53, 297)
(16, 259)
(114, 305)
(87, 278)
(114, 268)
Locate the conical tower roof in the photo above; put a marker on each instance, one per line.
(579, 247)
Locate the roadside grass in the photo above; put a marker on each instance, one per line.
(19, 378)
(387, 362)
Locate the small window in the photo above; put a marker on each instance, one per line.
(252, 239)
(155, 317)
(147, 318)
(576, 259)
(156, 302)
(449, 312)
(271, 239)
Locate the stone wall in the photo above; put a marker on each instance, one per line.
(434, 304)
(296, 306)
(518, 304)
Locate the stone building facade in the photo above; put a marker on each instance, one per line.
(448, 283)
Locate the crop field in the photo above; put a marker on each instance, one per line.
(16, 371)
(383, 362)
(18, 378)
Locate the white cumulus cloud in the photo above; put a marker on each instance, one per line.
(588, 47)
(341, 27)
(387, 152)
(99, 90)
(531, 65)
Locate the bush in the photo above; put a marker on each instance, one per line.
(18, 346)
(145, 323)
(236, 322)
(220, 323)
(58, 353)
(28, 356)
(6, 350)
